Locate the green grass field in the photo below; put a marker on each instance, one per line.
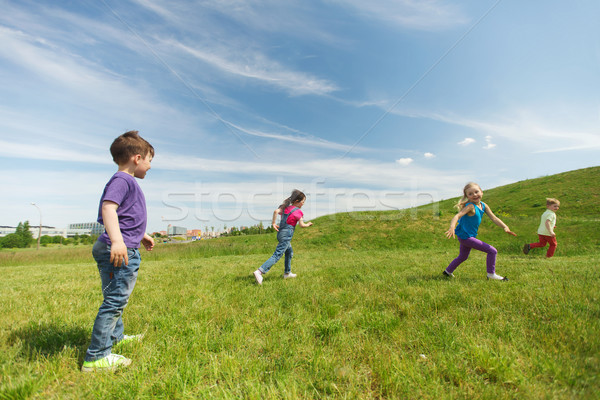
(369, 316)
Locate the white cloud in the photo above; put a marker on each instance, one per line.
(466, 141)
(254, 65)
(429, 155)
(412, 14)
(489, 145)
(525, 128)
(300, 139)
(52, 153)
(404, 161)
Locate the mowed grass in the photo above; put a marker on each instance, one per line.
(368, 317)
(358, 324)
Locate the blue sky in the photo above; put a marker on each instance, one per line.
(363, 105)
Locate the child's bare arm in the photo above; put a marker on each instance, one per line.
(118, 249)
(498, 221)
(148, 242)
(454, 221)
(549, 227)
(274, 222)
(304, 224)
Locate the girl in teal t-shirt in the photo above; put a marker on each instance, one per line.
(471, 210)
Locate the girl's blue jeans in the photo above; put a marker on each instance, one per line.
(284, 236)
(117, 285)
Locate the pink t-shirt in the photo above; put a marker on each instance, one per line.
(294, 217)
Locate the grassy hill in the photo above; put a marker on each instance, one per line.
(519, 205)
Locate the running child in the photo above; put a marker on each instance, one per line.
(291, 215)
(546, 230)
(471, 210)
(122, 211)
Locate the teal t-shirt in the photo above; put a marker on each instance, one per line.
(469, 225)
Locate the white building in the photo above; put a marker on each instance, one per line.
(46, 231)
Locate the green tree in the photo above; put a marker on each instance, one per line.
(45, 240)
(24, 235)
(10, 241)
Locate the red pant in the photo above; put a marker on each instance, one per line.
(544, 240)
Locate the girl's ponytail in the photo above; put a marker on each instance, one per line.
(296, 195)
(286, 203)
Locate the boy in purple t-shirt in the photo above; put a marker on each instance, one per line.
(122, 211)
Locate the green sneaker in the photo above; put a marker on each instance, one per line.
(108, 363)
(131, 338)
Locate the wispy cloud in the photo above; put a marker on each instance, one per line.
(49, 152)
(303, 140)
(429, 155)
(412, 14)
(466, 141)
(488, 143)
(256, 66)
(524, 127)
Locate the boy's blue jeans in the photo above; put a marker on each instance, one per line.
(117, 285)
(284, 236)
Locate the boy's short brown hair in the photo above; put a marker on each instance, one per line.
(550, 201)
(128, 145)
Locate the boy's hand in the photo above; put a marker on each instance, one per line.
(118, 254)
(148, 242)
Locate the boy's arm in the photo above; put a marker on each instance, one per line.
(118, 249)
(549, 227)
(148, 242)
(498, 221)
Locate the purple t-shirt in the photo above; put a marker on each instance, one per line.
(123, 189)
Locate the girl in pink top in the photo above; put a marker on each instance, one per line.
(291, 215)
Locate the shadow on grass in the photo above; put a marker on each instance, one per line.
(437, 277)
(50, 338)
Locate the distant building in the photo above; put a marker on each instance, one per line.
(176, 231)
(94, 228)
(194, 232)
(46, 231)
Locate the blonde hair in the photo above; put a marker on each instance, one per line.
(461, 203)
(551, 200)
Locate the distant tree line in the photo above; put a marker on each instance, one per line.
(258, 229)
(23, 238)
(20, 239)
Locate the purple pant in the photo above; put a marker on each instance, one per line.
(465, 248)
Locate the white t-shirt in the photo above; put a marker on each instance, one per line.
(548, 215)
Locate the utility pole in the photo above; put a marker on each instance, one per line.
(40, 229)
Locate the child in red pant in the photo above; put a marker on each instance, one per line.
(546, 229)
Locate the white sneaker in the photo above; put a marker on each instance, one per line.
(108, 363)
(289, 275)
(258, 276)
(496, 277)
